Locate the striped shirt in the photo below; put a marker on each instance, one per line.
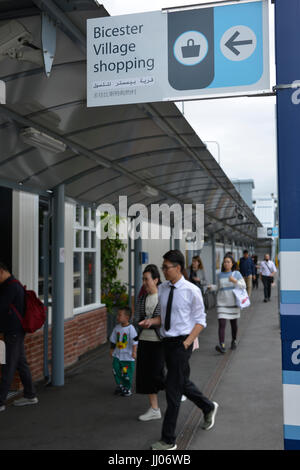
(226, 301)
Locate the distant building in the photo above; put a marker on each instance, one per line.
(245, 188)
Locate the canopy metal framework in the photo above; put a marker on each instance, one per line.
(109, 151)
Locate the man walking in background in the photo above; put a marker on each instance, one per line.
(247, 270)
(267, 273)
(182, 319)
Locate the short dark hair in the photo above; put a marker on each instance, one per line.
(154, 271)
(175, 257)
(3, 267)
(126, 310)
(245, 251)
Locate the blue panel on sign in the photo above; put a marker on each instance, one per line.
(288, 117)
(291, 377)
(290, 309)
(291, 355)
(289, 163)
(290, 334)
(289, 244)
(292, 432)
(290, 296)
(290, 327)
(290, 444)
(238, 44)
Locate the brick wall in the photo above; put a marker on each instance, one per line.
(83, 333)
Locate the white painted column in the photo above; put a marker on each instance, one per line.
(69, 240)
(25, 255)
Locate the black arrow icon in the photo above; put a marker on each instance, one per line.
(232, 43)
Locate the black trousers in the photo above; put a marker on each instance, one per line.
(267, 281)
(178, 384)
(150, 362)
(15, 361)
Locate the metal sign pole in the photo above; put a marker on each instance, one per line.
(287, 19)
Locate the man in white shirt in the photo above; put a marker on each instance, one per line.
(182, 319)
(267, 273)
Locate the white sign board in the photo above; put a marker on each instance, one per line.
(126, 55)
(2, 92)
(267, 232)
(159, 56)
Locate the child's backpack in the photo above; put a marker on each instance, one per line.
(35, 311)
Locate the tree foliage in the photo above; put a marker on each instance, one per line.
(114, 292)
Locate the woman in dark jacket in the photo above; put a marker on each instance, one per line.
(150, 358)
(196, 273)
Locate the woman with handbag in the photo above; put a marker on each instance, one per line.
(227, 308)
(150, 356)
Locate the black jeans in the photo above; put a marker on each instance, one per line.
(178, 384)
(15, 361)
(267, 281)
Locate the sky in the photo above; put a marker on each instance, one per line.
(240, 132)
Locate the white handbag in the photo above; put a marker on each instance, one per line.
(2, 352)
(242, 298)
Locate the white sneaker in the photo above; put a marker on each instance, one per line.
(183, 398)
(150, 414)
(2, 408)
(25, 401)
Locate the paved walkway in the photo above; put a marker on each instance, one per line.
(85, 414)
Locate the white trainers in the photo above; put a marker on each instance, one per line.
(183, 398)
(2, 408)
(150, 414)
(25, 401)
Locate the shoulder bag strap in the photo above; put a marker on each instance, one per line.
(266, 263)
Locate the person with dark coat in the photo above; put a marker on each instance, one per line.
(256, 277)
(12, 296)
(247, 270)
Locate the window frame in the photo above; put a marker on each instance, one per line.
(91, 227)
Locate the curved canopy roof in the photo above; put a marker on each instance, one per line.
(148, 152)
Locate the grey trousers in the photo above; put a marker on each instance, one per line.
(15, 361)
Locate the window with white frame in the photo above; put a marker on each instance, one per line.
(86, 271)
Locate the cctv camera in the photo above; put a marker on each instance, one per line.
(13, 36)
(16, 43)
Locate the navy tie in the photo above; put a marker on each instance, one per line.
(169, 308)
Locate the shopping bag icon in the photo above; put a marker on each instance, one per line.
(191, 49)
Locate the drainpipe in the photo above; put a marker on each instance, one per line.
(58, 272)
(46, 220)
